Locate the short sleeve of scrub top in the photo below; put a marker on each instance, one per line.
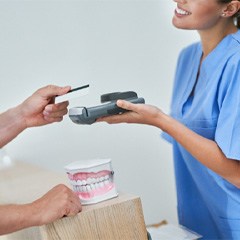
(227, 133)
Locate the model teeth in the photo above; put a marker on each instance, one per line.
(89, 181)
(93, 186)
(182, 12)
(92, 180)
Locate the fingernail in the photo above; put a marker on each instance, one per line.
(46, 113)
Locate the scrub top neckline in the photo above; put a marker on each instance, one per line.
(210, 62)
(193, 78)
(211, 58)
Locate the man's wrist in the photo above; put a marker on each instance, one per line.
(18, 118)
(16, 217)
(32, 214)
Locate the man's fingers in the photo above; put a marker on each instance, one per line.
(52, 90)
(54, 108)
(72, 210)
(75, 200)
(60, 112)
(74, 205)
(52, 120)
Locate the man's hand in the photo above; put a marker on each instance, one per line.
(58, 202)
(39, 109)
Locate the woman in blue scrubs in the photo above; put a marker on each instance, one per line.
(204, 124)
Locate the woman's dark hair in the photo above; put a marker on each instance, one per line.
(236, 17)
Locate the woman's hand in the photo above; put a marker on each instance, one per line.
(137, 113)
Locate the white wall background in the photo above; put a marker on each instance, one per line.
(115, 45)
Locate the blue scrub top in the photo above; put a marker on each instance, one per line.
(207, 203)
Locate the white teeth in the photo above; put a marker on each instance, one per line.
(90, 183)
(106, 182)
(84, 188)
(182, 12)
(89, 180)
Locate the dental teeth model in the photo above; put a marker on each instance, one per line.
(92, 180)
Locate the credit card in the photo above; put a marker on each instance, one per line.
(73, 93)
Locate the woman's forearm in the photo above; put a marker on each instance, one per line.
(204, 150)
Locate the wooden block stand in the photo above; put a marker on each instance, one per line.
(120, 218)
